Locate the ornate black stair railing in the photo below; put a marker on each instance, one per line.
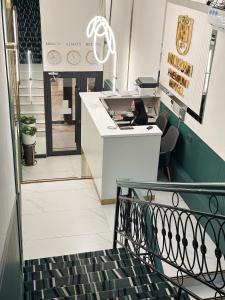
(191, 242)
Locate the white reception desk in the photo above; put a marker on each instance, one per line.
(114, 153)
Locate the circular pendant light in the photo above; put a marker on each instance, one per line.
(97, 28)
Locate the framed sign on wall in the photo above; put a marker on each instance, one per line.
(186, 52)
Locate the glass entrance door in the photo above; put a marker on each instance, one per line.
(63, 109)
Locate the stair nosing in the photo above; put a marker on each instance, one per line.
(32, 103)
(83, 255)
(38, 112)
(33, 87)
(103, 264)
(134, 281)
(32, 95)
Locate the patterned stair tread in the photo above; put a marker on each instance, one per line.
(78, 262)
(74, 270)
(137, 292)
(152, 279)
(141, 296)
(86, 278)
(78, 256)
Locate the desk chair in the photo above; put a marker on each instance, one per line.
(161, 122)
(168, 143)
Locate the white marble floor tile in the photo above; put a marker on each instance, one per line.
(65, 246)
(109, 211)
(62, 224)
(63, 217)
(60, 185)
(74, 200)
(107, 236)
(53, 167)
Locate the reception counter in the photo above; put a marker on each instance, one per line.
(113, 153)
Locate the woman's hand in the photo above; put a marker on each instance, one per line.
(118, 117)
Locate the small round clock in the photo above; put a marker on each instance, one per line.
(54, 57)
(90, 57)
(73, 57)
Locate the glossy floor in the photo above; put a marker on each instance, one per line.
(53, 167)
(66, 217)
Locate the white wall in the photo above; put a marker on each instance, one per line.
(120, 23)
(146, 45)
(7, 181)
(63, 25)
(146, 39)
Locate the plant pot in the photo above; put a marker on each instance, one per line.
(28, 139)
(29, 125)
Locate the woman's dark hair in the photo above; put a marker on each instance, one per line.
(141, 117)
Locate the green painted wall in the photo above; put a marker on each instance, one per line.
(194, 161)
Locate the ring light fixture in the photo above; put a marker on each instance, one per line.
(99, 27)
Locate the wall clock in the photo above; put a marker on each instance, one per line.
(54, 57)
(74, 57)
(90, 58)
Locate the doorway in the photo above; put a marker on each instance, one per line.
(63, 109)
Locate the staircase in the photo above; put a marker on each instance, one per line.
(32, 101)
(107, 274)
(29, 29)
(151, 236)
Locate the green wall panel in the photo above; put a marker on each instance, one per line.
(194, 161)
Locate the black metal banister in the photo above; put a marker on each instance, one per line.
(174, 235)
(196, 188)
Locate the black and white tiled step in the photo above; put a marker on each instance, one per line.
(70, 271)
(141, 296)
(78, 256)
(87, 277)
(152, 281)
(152, 291)
(108, 274)
(78, 262)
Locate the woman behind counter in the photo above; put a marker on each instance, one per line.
(140, 115)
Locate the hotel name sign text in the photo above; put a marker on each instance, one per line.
(178, 81)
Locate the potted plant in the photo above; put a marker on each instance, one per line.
(29, 134)
(28, 121)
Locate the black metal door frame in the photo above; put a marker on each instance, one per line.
(80, 87)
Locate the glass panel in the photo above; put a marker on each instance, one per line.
(91, 84)
(63, 114)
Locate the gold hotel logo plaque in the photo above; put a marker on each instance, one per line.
(184, 34)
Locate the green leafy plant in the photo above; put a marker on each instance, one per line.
(27, 120)
(23, 119)
(29, 130)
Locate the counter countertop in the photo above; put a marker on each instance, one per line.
(103, 121)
